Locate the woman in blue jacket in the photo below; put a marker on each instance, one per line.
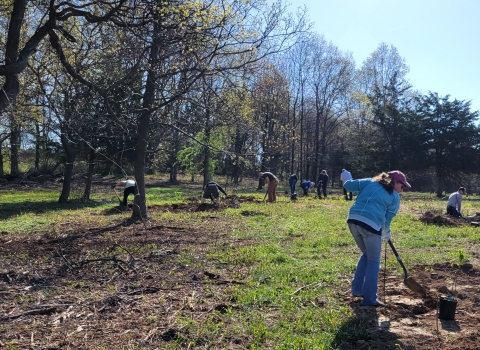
(368, 220)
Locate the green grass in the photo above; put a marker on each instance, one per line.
(296, 259)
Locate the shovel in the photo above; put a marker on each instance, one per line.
(407, 280)
(119, 200)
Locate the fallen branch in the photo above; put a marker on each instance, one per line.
(149, 290)
(46, 311)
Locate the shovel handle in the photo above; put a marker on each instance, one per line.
(399, 259)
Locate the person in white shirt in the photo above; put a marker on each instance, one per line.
(454, 205)
(345, 176)
(129, 189)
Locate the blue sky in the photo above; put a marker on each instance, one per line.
(439, 39)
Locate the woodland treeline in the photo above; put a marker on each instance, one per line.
(216, 87)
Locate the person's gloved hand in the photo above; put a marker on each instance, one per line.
(386, 234)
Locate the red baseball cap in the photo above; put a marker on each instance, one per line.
(397, 175)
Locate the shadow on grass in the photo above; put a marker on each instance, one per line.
(351, 333)
(9, 210)
(364, 331)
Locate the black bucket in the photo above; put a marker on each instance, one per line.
(447, 308)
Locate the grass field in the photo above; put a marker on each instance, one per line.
(293, 260)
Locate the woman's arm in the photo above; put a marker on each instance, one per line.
(356, 185)
(392, 210)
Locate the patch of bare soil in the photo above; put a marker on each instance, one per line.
(114, 287)
(193, 204)
(412, 321)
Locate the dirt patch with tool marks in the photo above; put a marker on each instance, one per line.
(411, 320)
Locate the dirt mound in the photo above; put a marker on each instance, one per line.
(118, 209)
(246, 199)
(192, 204)
(435, 218)
(207, 207)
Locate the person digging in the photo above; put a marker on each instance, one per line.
(369, 221)
(128, 190)
(272, 182)
(454, 205)
(306, 185)
(211, 191)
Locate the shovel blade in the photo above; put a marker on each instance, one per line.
(414, 285)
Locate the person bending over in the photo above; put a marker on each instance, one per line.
(306, 185)
(129, 189)
(211, 191)
(369, 221)
(454, 205)
(272, 182)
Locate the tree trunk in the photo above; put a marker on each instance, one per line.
(11, 87)
(1, 158)
(140, 202)
(69, 148)
(88, 182)
(239, 140)
(108, 168)
(174, 174)
(206, 159)
(316, 156)
(301, 153)
(173, 158)
(439, 189)
(292, 150)
(14, 147)
(37, 145)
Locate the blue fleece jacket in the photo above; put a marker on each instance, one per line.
(306, 184)
(374, 206)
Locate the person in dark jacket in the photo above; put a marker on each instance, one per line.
(272, 182)
(305, 185)
(322, 183)
(211, 191)
(292, 181)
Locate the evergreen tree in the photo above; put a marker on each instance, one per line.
(451, 138)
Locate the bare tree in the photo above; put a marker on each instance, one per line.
(332, 74)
